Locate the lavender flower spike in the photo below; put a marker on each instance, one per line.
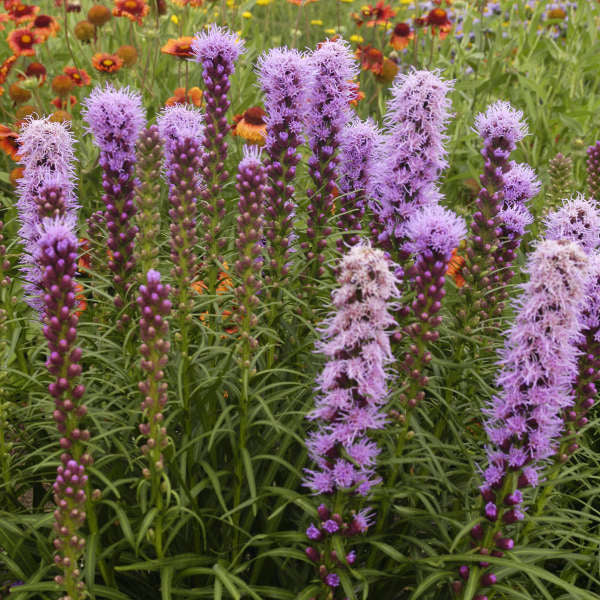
(537, 369)
(432, 234)
(358, 147)
(284, 76)
(332, 69)
(115, 117)
(217, 49)
(352, 390)
(411, 156)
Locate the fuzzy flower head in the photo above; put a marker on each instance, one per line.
(46, 146)
(177, 123)
(115, 117)
(217, 45)
(515, 218)
(284, 75)
(501, 126)
(520, 183)
(251, 158)
(358, 145)
(434, 229)
(55, 234)
(420, 96)
(578, 220)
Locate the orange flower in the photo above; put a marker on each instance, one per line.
(8, 141)
(35, 69)
(389, 70)
(358, 94)
(21, 41)
(192, 3)
(180, 47)
(15, 175)
(437, 19)
(379, 14)
(251, 125)
(62, 102)
(6, 66)
(79, 76)
(84, 258)
(193, 96)
(455, 267)
(401, 36)
(80, 297)
(370, 59)
(134, 10)
(45, 26)
(557, 13)
(19, 13)
(108, 63)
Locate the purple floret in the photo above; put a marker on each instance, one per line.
(217, 43)
(178, 123)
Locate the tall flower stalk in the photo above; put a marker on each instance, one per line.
(332, 69)
(155, 306)
(524, 421)
(593, 170)
(115, 118)
(352, 391)
(251, 178)
(216, 49)
(147, 193)
(284, 76)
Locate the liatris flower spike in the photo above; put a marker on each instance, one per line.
(332, 70)
(284, 76)
(537, 368)
(560, 173)
(358, 147)
(432, 234)
(352, 390)
(147, 194)
(115, 118)
(412, 155)
(593, 170)
(216, 49)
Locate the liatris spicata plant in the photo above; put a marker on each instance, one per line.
(524, 421)
(411, 156)
(147, 192)
(115, 117)
(55, 253)
(560, 173)
(352, 391)
(155, 306)
(593, 170)
(358, 147)
(284, 76)
(217, 49)
(500, 127)
(46, 188)
(332, 67)
(432, 234)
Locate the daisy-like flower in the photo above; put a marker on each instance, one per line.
(45, 26)
(251, 125)
(380, 14)
(21, 41)
(107, 63)
(6, 66)
(438, 20)
(8, 141)
(193, 96)
(79, 76)
(370, 59)
(134, 10)
(401, 36)
(181, 47)
(20, 13)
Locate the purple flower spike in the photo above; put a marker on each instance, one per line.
(411, 157)
(115, 118)
(501, 127)
(216, 49)
(358, 147)
(154, 304)
(332, 67)
(432, 234)
(284, 76)
(181, 129)
(520, 184)
(578, 220)
(537, 369)
(593, 170)
(352, 390)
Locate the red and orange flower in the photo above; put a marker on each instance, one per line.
(380, 14)
(370, 59)
(192, 3)
(21, 41)
(251, 125)
(9, 142)
(181, 47)
(455, 267)
(5, 68)
(20, 13)
(79, 76)
(193, 96)
(61, 103)
(106, 63)
(401, 36)
(438, 21)
(134, 10)
(45, 26)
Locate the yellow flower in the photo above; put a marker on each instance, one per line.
(263, 2)
(174, 19)
(247, 15)
(348, 1)
(330, 31)
(358, 39)
(316, 22)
